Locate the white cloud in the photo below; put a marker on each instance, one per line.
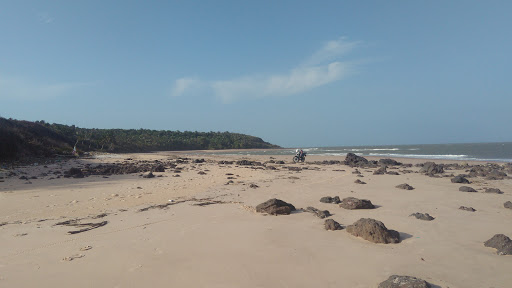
(296, 81)
(319, 69)
(183, 85)
(331, 50)
(18, 88)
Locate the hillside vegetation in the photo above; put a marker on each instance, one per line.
(19, 139)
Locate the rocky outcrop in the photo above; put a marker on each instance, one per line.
(330, 224)
(502, 243)
(275, 207)
(460, 179)
(352, 203)
(404, 186)
(466, 189)
(373, 231)
(73, 172)
(490, 171)
(318, 213)
(431, 168)
(422, 216)
(396, 281)
(353, 160)
(328, 199)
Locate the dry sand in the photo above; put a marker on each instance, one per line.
(227, 244)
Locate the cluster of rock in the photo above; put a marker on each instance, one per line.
(318, 213)
(431, 168)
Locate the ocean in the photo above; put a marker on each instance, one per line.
(501, 152)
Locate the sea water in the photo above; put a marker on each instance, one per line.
(501, 152)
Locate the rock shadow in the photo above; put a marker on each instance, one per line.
(404, 236)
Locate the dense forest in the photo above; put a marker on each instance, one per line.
(19, 139)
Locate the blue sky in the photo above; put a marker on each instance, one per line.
(295, 73)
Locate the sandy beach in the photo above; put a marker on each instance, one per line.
(195, 224)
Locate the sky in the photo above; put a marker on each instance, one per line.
(295, 73)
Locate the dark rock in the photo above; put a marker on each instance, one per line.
(23, 178)
(327, 199)
(501, 242)
(158, 168)
(223, 162)
(508, 205)
(392, 173)
(294, 168)
(396, 281)
(381, 171)
(74, 172)
(404, 186)
(330, 224)
(466, 189)
(318, 213)
(431, 168)
(359, 182)
(201, 173)
(353, 160)
(373, 231)
(356, 172)
(254, 186)
(389, 162)
(199, 160)
(354, 203)
(422, 216)
(460, 179)
(280, 162)
(471, 209)
(493, 190)
(148, 175)
(248, 163)
(275, 207)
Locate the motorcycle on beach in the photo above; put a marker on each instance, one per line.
(300, 156)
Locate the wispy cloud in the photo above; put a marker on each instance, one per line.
(183, 85)
(322, 67)
(21, 89)
(45, 17)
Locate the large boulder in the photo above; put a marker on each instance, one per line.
(328, 199)
(466, 189)
(275, 207)
(396, 281)
(501, 242)
(373, 231)
(460, 179)
(352, 203)
(330, 224)
(431, 168)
